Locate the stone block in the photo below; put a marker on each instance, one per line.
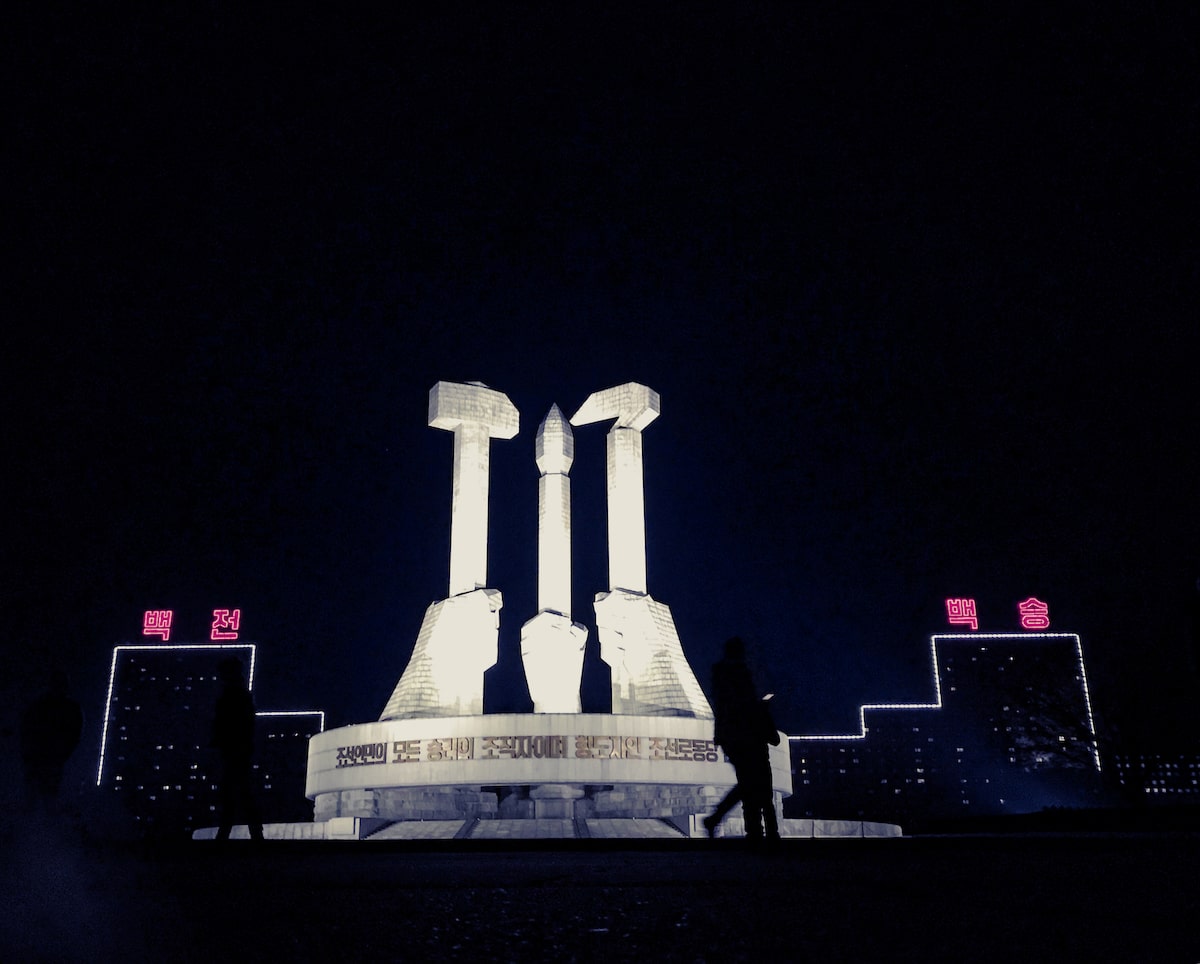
(837, 828)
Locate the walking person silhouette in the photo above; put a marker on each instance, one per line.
(233, 738)
(743, 728)
(50, 730)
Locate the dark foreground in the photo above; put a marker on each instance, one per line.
(1012, 899)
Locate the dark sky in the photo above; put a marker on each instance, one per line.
(916, 288)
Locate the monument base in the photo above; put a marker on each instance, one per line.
(525, 766)
(541, 802)
(600, 828)
(396, 803)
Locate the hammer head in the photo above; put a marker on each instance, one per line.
(454, 404)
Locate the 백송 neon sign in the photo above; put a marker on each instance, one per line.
(961, 612)
(1035, 614)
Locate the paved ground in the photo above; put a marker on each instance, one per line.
(976, 899)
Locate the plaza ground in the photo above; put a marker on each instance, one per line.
(1028, 898)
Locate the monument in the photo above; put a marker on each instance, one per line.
(551, 644)
(434, 755)
(460, 634)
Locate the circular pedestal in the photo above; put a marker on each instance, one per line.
(521, 765)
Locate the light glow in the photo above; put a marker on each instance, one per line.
(937, 684)
(225, 623)
(157, 622)
(634, 407)
(475, 414)
(552, 654)
(1035, 614)
(551, 644)
(961, 612)
(112, 675)
(554, 448)
(320, 714)
(458, 641)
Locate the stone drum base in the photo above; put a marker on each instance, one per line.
(544, 801)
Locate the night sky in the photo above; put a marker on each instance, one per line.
(917, 289)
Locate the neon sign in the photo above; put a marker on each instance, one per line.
(1035, 614)
(961, 612)
(157, 622)
(225, 623)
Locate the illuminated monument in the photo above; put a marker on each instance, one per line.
(551, 644)
(459, 637)
(434, 754)
(637, 635)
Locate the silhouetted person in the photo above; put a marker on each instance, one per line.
(233, 738)
(743, 729)
(50, 729)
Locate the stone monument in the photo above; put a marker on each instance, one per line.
(551, 644)
(459, 635)
(638, 640)
(434, 754)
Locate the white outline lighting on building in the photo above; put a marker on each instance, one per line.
(937, 683)
(169, 647)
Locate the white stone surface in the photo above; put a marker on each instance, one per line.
(525, 749)
(555, 451)
(475, 414)
(337, 828)
(552, 653)
(458, 641)
(634, 407)
(734, 825)
(638, 639)
(552, 645)
(650, 674)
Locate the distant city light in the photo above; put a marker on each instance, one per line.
(937, 684)
(317, 713)
(157, 648)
